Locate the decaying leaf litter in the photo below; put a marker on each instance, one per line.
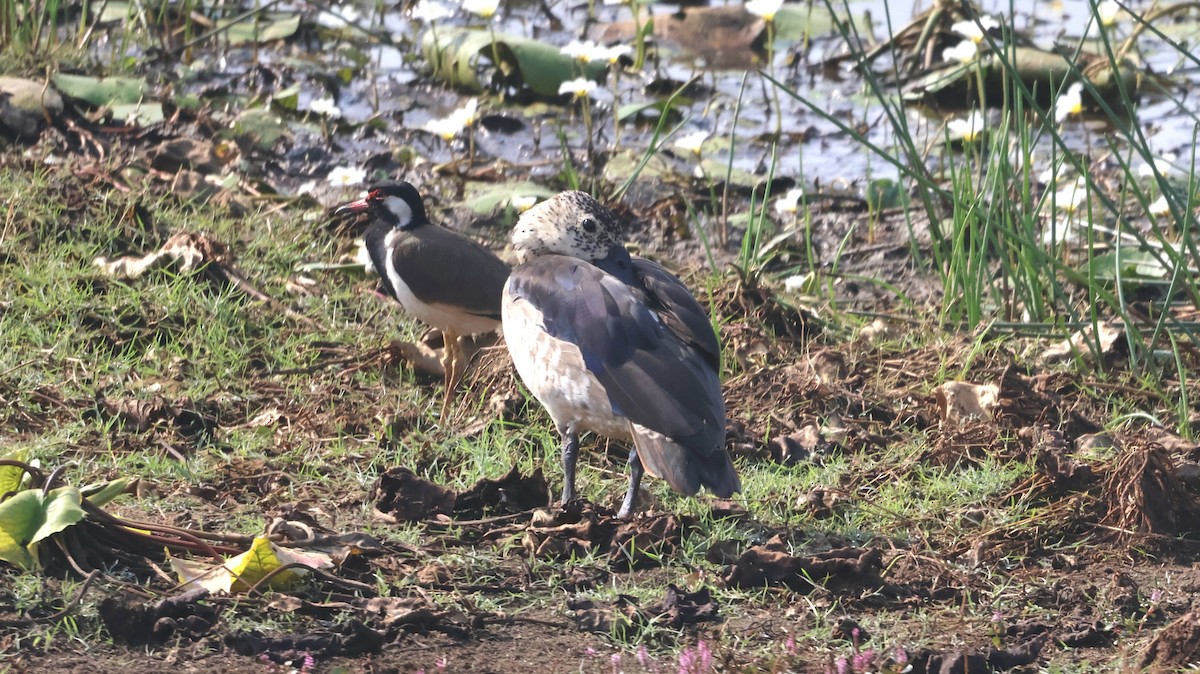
(951, 500)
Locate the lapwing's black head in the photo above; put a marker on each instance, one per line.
(397, 203)
(569, 223)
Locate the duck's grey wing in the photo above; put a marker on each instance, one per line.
(678, 309)
(664, 386)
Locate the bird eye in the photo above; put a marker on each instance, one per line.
(589, 225)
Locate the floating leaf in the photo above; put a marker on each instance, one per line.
(649, 111)
(262, 125)
(487, 198)
(467, 59)
(954, 84)
(143, 113)
(31, 516)
(1129, 265)
(262, 28)
(101, 91)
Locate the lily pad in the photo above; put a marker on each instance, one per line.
(649, 112)
(487, 198)
(149, 112)
(1130, 265)
(954, 85)
(262, 125)
(262, 29)
(468, 60)
(100, 91)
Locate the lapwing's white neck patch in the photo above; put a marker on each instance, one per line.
(401, 209)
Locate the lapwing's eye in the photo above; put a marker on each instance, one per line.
(589, 225)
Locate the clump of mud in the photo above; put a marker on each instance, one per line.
(1145, 496)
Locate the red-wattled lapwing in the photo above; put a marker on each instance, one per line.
(616, 345)
(440, 277)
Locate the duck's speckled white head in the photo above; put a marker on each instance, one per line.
(569, 223)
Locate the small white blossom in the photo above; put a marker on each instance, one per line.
(1071, 197)
(789, 203)
(767, 9)
(1108, 12)
(964, 52)
(485, 8)
(468, 113)
(345, 176)
(1162, 162)
(1069, 103)
(798, 282)
(975, 30)
(585, 52)
(325, 106)
(453, 124)
(692, 142)
(615, 52)
(967, 130)
(1160, 207)
(521, 204)
(338, 16)
(578, 87)
(429, 11)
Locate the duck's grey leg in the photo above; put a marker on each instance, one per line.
(635, 482)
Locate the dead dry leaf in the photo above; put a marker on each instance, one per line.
(959, 401)
(187, 252)
(1106, 335)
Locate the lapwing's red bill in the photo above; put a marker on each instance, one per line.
(360, 205)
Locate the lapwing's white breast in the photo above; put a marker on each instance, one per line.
(438, 315)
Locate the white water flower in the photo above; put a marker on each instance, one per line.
(429, 11)
(692, 142)
(338, 16)
(1162, 162)
(468, 113)
(453, 124)
(1108, 12)
(1160, 207)
(975, 30)
(578, 87)
(967, 130)
(1071, 197)
(325, 106)
(585, 52)
(964, 52)
(485, 8)
(789, 203)
(345, 176)
(1069, 103)
(446, 127)
(521, 204)
(767, 9)
(615, 52)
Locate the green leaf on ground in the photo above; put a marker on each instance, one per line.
(31, 516)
